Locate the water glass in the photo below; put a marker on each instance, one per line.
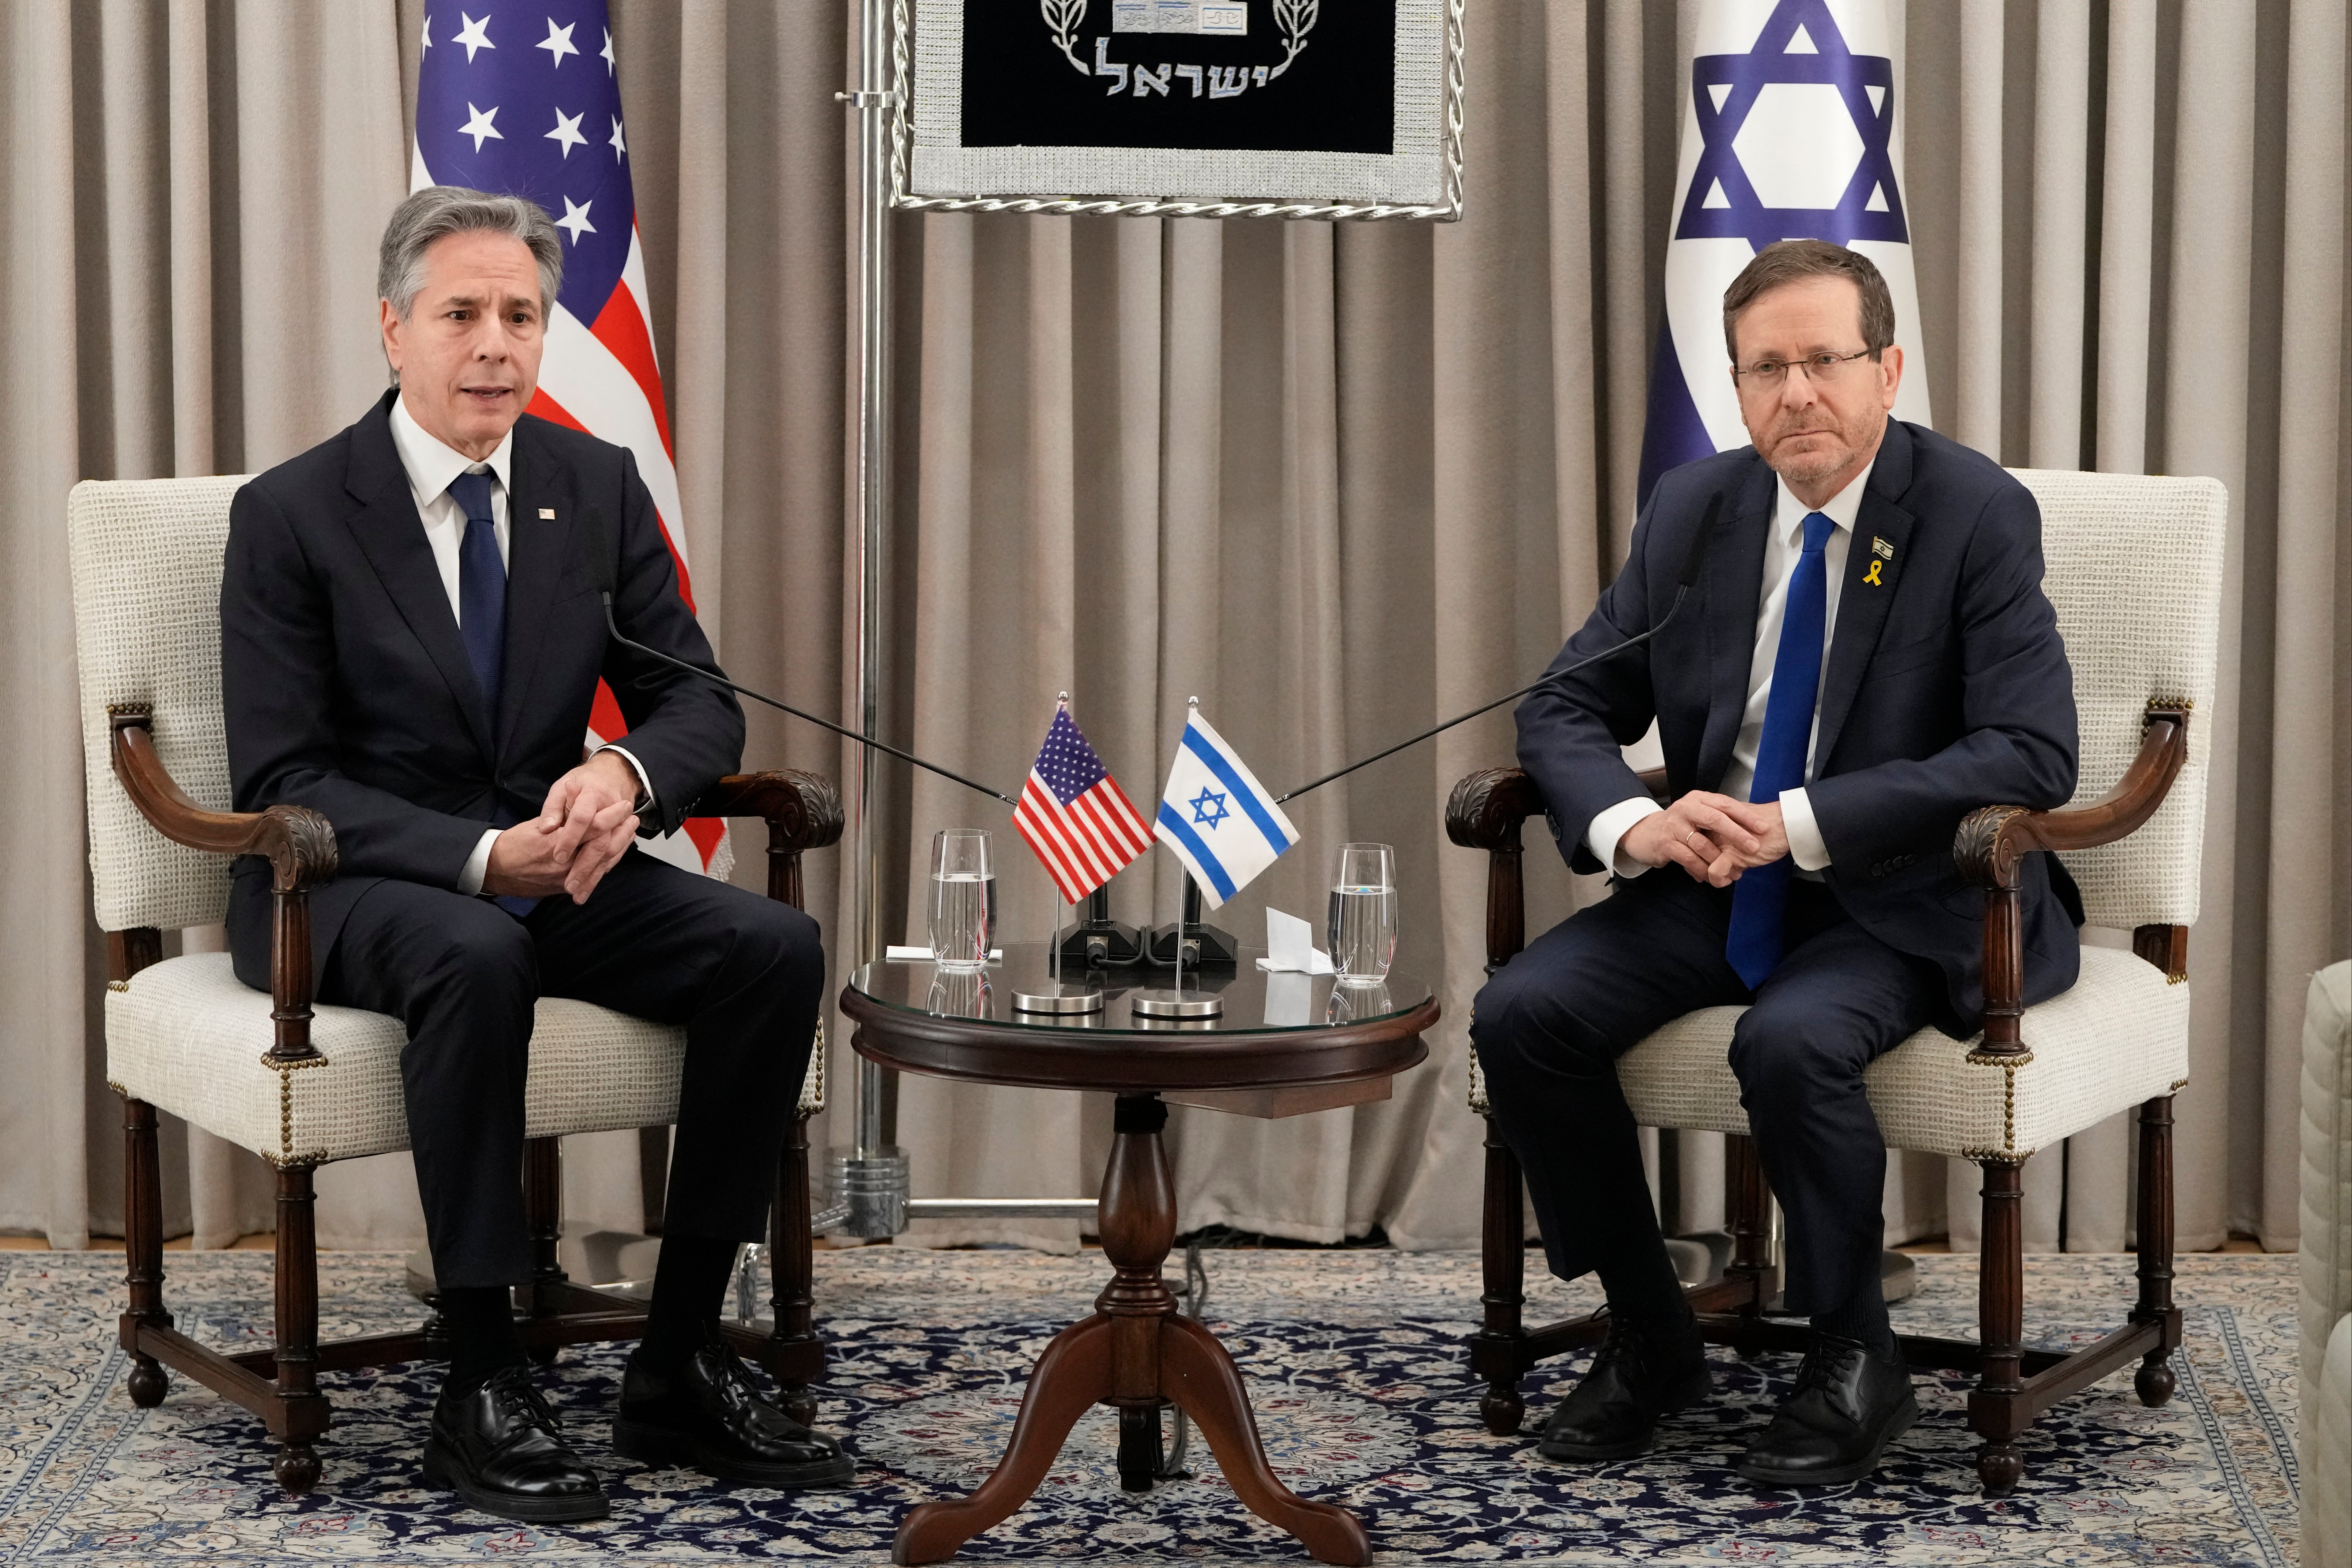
(1363, 914)
(963, 896)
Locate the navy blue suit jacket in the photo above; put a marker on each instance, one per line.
(346, 687)
(1947, 688)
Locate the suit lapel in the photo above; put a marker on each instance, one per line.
(391, 536)
(537, 547)
(1868, 592)
(1734, 585)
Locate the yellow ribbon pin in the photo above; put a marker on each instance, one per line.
(1871, 576)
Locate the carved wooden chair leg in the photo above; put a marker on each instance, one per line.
(1997, 1409)
(300, 1413)
(792, 1264)
(2154, 1381)
(1494, 1349)
(1749, 1203)
(142, 1247)
(542, 1197)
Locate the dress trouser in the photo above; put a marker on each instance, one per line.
(745, 975)
(1550, 1024)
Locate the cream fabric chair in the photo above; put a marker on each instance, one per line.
(301, 1086)
(2326, 1296)
(2134, 568)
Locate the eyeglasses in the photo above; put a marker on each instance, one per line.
(1767, 375)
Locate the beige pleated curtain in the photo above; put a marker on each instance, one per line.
(1336, 482)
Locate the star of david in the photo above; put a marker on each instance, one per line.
(1208, 808)
(1723, 204)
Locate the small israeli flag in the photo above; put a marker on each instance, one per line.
(1216, 816)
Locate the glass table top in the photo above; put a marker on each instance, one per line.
(1255, 1000)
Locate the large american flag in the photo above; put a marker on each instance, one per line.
(528, 102)
(1073, 814)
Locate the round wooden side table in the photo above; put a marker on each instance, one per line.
(1285, 1045)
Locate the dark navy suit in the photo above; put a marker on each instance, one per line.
(347, 688)
(1946, 687)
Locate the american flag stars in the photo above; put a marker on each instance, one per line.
(502, 104)
(558, 42)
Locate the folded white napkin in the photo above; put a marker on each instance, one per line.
(1290, 945)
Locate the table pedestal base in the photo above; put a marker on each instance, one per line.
(1137, 1353)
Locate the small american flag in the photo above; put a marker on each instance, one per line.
(1073, 815)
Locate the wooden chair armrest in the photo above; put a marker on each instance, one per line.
(803, 810)
(1486, 808)
(1992, 839)
(298, 842)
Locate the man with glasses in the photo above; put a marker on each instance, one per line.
(1866, 657)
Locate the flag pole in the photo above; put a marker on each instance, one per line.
(1184, 893)
(1053, 953)
(872, 100)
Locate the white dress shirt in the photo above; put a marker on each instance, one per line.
(432, 466)
(1783, 546)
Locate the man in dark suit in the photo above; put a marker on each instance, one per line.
(1867, 657)
(410, 645)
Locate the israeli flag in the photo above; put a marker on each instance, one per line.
(1793, 130)
(1216, 816)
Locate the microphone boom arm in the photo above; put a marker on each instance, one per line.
(1636, 640)
(785, 707)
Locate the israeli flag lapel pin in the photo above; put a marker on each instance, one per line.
(1884, 554)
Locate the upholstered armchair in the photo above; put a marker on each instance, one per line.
(2133, 567)
(299, 1084)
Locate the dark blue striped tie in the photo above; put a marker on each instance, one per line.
(482, 620)
(1760, 896)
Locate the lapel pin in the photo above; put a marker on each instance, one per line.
(1871, 576)
(1881, 548)
(548, 512)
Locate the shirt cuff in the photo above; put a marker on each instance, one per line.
(477, 865)
(645, 797)
(1805, 846)
(1609, 828)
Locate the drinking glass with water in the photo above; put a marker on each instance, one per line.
(963, 896)
(1363, 915)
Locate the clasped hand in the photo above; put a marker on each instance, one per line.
(579, 834)
(1712, 837)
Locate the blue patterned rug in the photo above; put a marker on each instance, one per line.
(1354, 1362)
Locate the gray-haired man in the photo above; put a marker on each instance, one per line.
(410, 646)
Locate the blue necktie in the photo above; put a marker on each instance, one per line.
(1760, 896)
(481, 586)
(482, 620)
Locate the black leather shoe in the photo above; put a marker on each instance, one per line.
(710, 1417)
(500, 1448)
(1848, 1404)
(1639, 1375)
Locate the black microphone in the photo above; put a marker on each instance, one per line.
(1692, 560)
(604, 570)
